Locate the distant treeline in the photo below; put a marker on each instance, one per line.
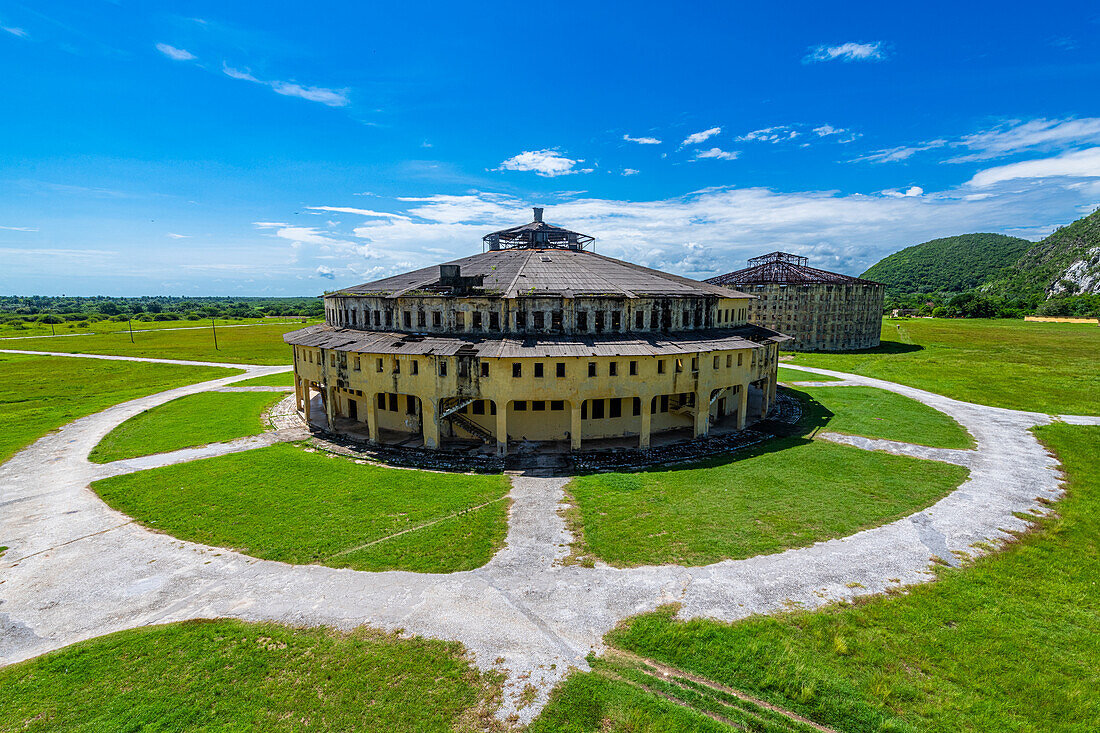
(58, 309)
(976, 304)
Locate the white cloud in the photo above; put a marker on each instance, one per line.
(238, 74)
(360, 212)
(172, 52)
(776, 134)
(718, 154)
(642, 140)
(17, 32)
(1075, 164)
(1017, 136)
(843, 134)
(547, 163)
(903, 152)
(849, 51)
(697, 137)
(20, 229)
(179, 236)
(631, 171)
(325, 272)
(330, 97)
(908, 193)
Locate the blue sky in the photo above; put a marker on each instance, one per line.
(285, 149)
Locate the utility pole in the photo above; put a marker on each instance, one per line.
(130, 323)
(215, 333)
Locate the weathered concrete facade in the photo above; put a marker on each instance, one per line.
(819, 310)
(534, 342)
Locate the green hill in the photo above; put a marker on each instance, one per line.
(1065, 263)
(951, 264)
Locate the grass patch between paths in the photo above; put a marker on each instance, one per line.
(1008, 643)
(231, 675)
(41, 393)
(185, 422)
(280, 379)
(283, 503)
(789, 493)
(796, 375)
(877, 413)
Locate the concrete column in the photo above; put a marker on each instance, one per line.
(306, 389)
(330, 406)
(575, 425)
(297, 392)
(429, 423)
(372, 416)
(647, 419)
(702, 414)
(742, 405)
(502, 428)
(764, 400)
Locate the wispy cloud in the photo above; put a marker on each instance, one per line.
(330, 97)
(178, 54)
(776, 134)
(326, 272)
(718, 154)
(17, 32)
(179, 236)
(631, 171)
(1075, 164)
(843, 135)
(902, 152)
(20, 229)
(642, 140)
(850, 51)
(360, 212)
(1011, 137)
(1016, 136)
(697, 137)
(547, 163)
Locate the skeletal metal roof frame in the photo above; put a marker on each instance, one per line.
(536, 235)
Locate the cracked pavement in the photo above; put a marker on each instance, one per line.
(76, 569)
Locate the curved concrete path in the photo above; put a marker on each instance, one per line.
(78, 569)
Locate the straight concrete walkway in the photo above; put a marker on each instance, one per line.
(78, 569)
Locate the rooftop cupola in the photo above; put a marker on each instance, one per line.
(537, 235)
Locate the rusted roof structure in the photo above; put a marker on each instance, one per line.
(538, 234)
(782, 268)
(531, 271)
(655, 344)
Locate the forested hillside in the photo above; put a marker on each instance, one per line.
(951, 264)
(1065, 263)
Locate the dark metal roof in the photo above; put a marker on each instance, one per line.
(569, 273)
(385, 342)
(537, 234)
(784, 269)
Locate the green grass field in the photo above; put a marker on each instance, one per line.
(233, 676)
(876, 413)
(74, 327)
(281, 379)
(1041, 367)
(247, 345)
(790, 493)
(1009, 643)
(41, 393)
(282, 503)
(198, 419)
